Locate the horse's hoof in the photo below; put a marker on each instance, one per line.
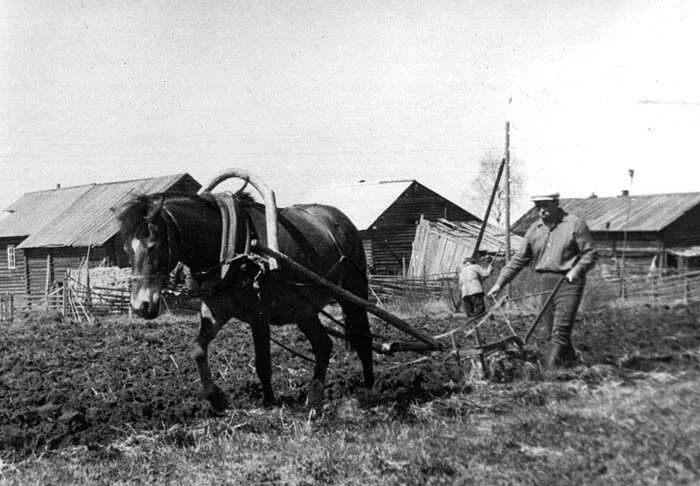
(218, 399)
(368, 395)
(314, 398)
(271, 402)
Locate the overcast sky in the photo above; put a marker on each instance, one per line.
(318, 92)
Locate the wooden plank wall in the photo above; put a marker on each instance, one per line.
(390, 248)
(12, 280)
(633, 241)
(369, 254)
(61, 259)
(416, 201)
(438, 253)
(685, 231)
(186, 186)
(395, 230)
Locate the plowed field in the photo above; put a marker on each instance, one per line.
(66, 383)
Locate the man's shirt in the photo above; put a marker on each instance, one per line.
(553, 250)
(470, 278)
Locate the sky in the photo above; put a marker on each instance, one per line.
(309, 93)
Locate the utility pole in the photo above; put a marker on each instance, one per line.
(630, 172)
(507, 187)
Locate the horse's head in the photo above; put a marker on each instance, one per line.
(148, 241)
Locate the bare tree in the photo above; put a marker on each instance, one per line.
(481, 188)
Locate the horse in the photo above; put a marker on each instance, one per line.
(160, 230)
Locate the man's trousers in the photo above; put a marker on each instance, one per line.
(559, 316)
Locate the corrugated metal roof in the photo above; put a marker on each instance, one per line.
(88, 219)
(362, 202)
(648, 212)
(35, 210)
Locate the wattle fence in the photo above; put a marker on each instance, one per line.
(661, 289)
(81, 302)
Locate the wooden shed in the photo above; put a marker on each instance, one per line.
(641, 234)
(48, 232)
(387, 213)
(440, 247)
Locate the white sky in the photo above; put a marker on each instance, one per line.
(318, 92)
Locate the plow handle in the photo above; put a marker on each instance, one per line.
(544, 308)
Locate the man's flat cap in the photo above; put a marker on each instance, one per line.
(545, 197)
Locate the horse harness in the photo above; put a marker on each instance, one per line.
(236, 222)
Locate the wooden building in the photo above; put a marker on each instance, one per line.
(48, 232)
(387, 213)
(440, 247)
(638, 234)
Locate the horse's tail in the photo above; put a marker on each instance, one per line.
(357, 327)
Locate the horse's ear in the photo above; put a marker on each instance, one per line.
(156, 208)
(116, 211)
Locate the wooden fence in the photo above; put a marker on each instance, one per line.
(52, 301)
(71, 298)
(387, 287)
(7, 307)
(660, 289)
(666, 289)
(80, 302)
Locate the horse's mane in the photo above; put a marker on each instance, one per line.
(244, 198)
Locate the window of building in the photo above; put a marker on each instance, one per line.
(11, 262)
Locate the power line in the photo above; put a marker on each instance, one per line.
(669, 102)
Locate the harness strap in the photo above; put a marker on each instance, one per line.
(174, 222)
(328, 231)
(229, 222)
(298, 237)
(343, 256)
(233, 248)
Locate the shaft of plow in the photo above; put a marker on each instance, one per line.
(350, 297)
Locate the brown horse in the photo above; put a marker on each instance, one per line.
(160, 230)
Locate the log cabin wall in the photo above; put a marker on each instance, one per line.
(55, 262)
(12, 280)
(685, 231)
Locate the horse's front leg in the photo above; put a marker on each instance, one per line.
(260, 328)
(208, 329)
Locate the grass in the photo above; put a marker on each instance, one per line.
(540, 432)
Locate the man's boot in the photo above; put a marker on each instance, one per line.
(561, 355)
(569, 356)
(556, 352)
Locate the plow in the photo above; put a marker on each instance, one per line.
(416, 340)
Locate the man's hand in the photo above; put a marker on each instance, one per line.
(493, 293)
(572, 274)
